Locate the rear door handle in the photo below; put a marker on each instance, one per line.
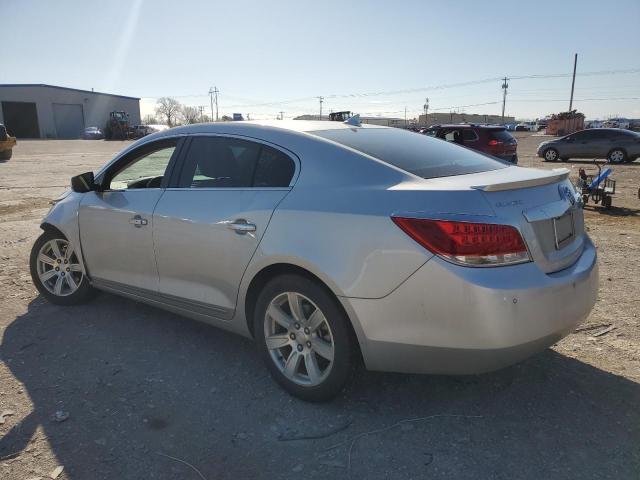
(241, 226)
(137, 221)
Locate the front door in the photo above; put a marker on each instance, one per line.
(207, 228)
(116, 224)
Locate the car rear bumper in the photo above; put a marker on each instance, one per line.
(447, 319)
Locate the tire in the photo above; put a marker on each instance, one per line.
(57, 285)
(606, 202)
(617, 155)
(551, 155)
(309, 353)
(6, 154)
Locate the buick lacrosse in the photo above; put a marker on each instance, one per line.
(329, 242)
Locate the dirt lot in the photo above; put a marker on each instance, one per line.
(149, 394)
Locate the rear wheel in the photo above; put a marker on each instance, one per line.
(56, 271)
(303, 337)
(6, 154)
(551, 155)
(617, 155)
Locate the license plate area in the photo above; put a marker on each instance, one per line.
(563, 230)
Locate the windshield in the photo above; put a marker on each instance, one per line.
(415, 153)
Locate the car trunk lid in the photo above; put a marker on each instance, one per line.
(542, 204)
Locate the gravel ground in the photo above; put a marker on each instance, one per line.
(115, 389)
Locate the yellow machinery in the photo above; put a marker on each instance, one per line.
(7, 142)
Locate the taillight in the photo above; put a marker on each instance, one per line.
(493, 143)
(467, 243)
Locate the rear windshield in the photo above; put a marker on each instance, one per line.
(502, 136)
(418, 154)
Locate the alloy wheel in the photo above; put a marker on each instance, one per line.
(299, 339)
(58, 268)
(551, 155)
(616, 156)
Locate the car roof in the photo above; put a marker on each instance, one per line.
(469, 125)
(245, 127)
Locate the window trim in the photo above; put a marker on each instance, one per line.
(173, 183)
(121, 162)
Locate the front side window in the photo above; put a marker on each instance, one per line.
(222, 162)
(145, 167)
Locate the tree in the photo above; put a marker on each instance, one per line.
(189, 115)
(150, 120)
(169, 109)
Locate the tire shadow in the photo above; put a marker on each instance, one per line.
(139, 383)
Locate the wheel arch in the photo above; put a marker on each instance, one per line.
(262, 277)
(48, 227)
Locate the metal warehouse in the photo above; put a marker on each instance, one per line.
(48, 111)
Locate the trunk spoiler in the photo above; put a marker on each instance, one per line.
(526, 178)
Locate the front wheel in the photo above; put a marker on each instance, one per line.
(550, 155)
(6, 154)
(56, 271)
(303, 337)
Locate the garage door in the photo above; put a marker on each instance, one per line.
(21, 119)
(69, 120)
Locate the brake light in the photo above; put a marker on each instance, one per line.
(493, 143)
(467, 243)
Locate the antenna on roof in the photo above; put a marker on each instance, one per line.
(353, 121)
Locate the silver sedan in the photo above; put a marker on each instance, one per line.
(326, 242)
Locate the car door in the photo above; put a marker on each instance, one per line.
(116, 222)
(208, 225)
(574, 145)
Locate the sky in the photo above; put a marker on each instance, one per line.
(371, 57)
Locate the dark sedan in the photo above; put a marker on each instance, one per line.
(614, 144)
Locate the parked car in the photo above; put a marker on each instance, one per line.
(324, 241)
(490, 139)
(140, 131)
(522, 127)
(7, 142)
(541, 124)
(617, 123)
(614, 144)
(92, 133)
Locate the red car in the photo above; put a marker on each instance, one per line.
(490, 139)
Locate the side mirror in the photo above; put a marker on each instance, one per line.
(83, 183)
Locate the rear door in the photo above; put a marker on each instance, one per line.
(209, 223)
(116, 223)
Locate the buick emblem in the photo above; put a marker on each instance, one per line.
(566, 193)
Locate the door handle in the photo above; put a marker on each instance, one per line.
(137, 221)
(241, 226)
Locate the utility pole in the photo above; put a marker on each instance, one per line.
(573, 81)
(214, 91)
(505, 85)
(426, 110)
(405, 116)
(281, 116)
(201, 108)
(321, 99)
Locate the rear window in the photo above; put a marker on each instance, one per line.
(415, 153)
(502, 136)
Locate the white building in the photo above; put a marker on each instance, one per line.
(48, 111)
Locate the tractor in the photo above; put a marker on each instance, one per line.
(118, 127)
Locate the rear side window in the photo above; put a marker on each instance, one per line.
(502, 136)
(417, 154)
(469, 135)
(223, 162)
(274, 169)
